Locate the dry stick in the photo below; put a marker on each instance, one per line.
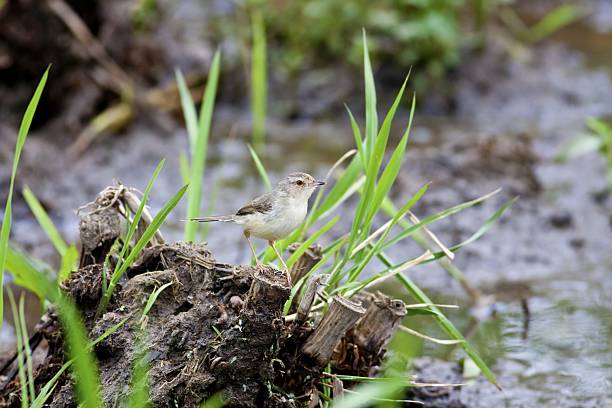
(314, 284)
(341, 316)
(121, 80)
(304, 264)
(433, 237)
(376, 327)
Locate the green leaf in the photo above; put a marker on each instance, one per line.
(442, 321)
(304, 246)
(370, 101)
(428, 220)
(8, 210)
(69, 263)
(20, 352)
(26, 272)
(138, 215)
(198, 154)
(189, 111)
(387, 179)
(151, 300)
(44, 221)
(260, 168)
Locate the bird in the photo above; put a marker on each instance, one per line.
(274, 215)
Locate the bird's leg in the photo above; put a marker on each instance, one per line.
(271, 243)
(247, 235)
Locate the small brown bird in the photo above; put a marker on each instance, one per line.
(276, 214)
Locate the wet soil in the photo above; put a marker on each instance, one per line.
(553, 251)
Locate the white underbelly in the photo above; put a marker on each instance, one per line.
(275, 225)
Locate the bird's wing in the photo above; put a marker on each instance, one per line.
(261, 204)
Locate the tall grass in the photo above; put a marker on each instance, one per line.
(258, 77)
(368, 177)
(8, 210)
(198, 129)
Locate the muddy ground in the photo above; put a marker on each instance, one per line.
(513, 111)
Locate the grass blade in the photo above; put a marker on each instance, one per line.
(26, 345)
(442, 214)
(260, 168)
(138, 215)
(8, 210)
(20, 352)
(198, 154)
(151, 300)
(311, 240)
(189, 111)
(139, 246)
(258, 78)
(45, 221)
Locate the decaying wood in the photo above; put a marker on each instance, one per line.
(304, 264)
(314, 285)
(341, 316)
(375, 328)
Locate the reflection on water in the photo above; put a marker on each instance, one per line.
(563, 359)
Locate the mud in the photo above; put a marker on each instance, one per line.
(514, 109)
(215, 328)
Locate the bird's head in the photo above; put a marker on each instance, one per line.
(299, 185)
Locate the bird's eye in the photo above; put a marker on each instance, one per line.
(299, 182)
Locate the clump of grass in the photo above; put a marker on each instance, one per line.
(198, 130)
(371, 179)
(597, 139)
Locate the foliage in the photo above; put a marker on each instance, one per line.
(597, 139)
(198, 129)
(8, 210)
(408, 32)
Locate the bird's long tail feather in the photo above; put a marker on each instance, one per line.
(220, 218)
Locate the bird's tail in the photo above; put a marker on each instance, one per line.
(220, 218)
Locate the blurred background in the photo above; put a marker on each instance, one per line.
(511, 94)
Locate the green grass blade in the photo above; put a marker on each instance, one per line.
(258, 78)
(26, 272)
(554, 21)
(445, 324)
(311, 240)
(428, 220)
(151, 300)
(387, 179)
(138, 215)
(370, 101)
(47, 390)
(189, 110)
(358, 138)
(139, 390)
(198, 155)
(45, 221)
(69, 263)
(184, 167)
(85, 366)
(26, 346)
(370, 254)
(8, 209)
(156, 223)
(260, 168)
(486, 226)
(20, 352)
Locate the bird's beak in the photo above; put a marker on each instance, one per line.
(319, 183)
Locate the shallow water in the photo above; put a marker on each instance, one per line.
(553, 249)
